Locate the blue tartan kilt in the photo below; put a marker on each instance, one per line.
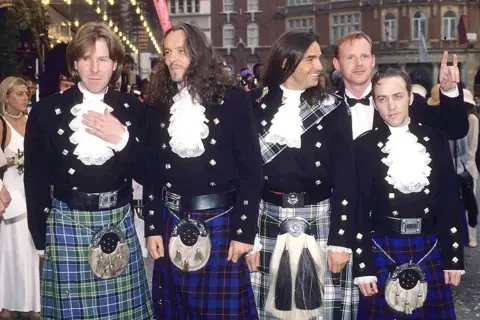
(439, 302)
(69, 288)
(220, 290)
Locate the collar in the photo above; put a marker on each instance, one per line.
(87, 95)
(365, 93)
(399, 130)
(290, 93)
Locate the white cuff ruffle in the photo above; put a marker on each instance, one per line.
(339, 249)
(366, 279)
(257, 246)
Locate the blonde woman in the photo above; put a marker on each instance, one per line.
(471, 165)
(19, 262)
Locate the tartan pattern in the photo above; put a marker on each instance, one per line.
(340, 296)
(310, 115)
(70, 290)
(220, 290)
(439, 302)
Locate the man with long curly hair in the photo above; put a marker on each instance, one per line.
(201, 203)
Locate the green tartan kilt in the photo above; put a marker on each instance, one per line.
(69, 288)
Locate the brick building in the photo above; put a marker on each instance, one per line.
(412, 33)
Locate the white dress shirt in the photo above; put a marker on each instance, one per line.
(362, 115)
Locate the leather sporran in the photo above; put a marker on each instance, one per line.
(406, 288)
(190, 246)
(108, 253)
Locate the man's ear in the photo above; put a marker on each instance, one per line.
(115, 64)
(412, 97)
(336, 64)
(284, 63)
(75, 65)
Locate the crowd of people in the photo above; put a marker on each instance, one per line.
(284, 192)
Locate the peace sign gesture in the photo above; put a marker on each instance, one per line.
(448, 76)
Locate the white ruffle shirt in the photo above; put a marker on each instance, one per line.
(90, 149)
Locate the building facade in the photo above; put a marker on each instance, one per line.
(196, 12)
(412, 34)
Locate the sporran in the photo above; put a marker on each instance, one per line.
(108, 254)
(406, 287)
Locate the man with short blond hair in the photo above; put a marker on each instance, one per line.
(355, 59)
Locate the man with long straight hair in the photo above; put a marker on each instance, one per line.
(302, 270)
(81, 143)
(201, 202)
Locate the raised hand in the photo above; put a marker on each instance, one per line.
(448, 76)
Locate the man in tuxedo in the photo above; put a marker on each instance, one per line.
(355, 60)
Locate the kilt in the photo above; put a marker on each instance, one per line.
(340, 294)
(220, 290)
(439, 301)
(69, 288)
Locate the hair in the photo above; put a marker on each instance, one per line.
(128, 60)
(205, 77)
(27, 78)
(328, 82)
(154, 62)
(350, 37)
(86, 37)
(6, 87)
(390, 72)
(291, 48)
(256, 67)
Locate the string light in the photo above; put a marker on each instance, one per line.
(99, 10)
(45, 2)
(76, 23)
(146, 26)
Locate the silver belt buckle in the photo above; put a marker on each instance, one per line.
(411, 226)
(107, 199)
(172, 201)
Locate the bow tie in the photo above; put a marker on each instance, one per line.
(365, 101)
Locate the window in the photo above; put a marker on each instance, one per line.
(252, 5)
(299, 2)
(303, 24)
(171, 7)
(184, 6)
(252, 35)
(390, 32)
(419, 26)
(449, 25)
(228, 6)
(228, 36)
(343, 24)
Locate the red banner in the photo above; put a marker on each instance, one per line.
(162, 13)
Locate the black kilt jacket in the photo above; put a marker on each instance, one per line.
(324, 166)
(378, 200)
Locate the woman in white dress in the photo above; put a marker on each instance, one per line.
(19, 261)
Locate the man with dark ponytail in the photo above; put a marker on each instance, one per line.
(301, 261)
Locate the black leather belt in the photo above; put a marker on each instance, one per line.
(405, 226)
(179, 203)
(290, 199)
(95, 201)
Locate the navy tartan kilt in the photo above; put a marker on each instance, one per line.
(220, 290)
(439, 302)
(69, 288)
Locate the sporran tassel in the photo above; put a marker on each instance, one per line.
(283, 286)
(198, 255)
(308, 295)
(178, 258)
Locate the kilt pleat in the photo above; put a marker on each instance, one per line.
(220, 290)
(69, 288)
(439, 301)
(340, 297)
